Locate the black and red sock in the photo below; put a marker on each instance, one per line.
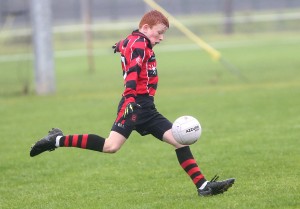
(188, 163)
(85, 141)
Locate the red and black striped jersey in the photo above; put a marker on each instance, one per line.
(138, 65)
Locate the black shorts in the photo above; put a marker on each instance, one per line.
(147, 120)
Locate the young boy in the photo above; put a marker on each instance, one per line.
(136, 109)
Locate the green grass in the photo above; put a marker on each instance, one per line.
(250, 131)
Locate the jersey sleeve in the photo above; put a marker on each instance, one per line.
(133, 62)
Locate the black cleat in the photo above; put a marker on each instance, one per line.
(215, 187)
(47, 143)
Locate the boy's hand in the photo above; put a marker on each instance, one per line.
(130, 108)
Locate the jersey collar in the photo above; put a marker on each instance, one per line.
(138, 33)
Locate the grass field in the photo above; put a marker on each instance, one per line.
(251, 132)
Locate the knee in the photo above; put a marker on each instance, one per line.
(113, 143)
(111, 149)
(169, 138)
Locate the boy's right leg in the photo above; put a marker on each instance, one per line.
(93, 142)
(56, 139)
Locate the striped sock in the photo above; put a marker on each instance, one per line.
(85, 141)
(188, 163)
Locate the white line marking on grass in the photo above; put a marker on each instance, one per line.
(163, 48)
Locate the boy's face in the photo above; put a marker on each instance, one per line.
(155, 34)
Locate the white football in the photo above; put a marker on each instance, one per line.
(186, 130)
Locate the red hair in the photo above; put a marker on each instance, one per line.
(152, 18)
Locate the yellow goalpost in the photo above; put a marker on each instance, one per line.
(216, 55)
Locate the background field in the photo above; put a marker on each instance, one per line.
(250, 129)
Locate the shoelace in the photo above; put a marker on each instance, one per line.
(215, 178)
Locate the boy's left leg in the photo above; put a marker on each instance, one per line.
(188, 163)
(160, 127)
(186, 160)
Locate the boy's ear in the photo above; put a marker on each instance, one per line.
(145, 27)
